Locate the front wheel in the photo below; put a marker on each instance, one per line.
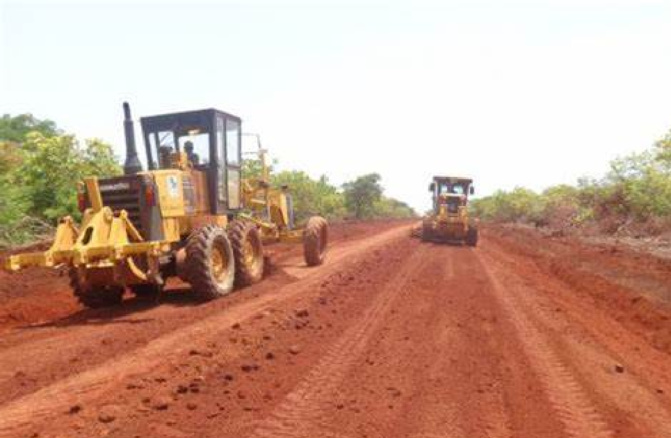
(247, 251)
(210, 264)
(315, 240)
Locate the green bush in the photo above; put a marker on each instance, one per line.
(518, 205)
(39, 169)
(636, 190)
(311, 197)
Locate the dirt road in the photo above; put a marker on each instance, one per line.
(523, 336)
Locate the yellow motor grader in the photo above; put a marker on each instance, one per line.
(449, 220)
(190, 215)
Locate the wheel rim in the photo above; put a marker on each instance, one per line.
(251, 254)
(220, 263)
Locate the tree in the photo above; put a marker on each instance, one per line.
(636, 190)
(51, 167)
(393, 208)
(663, 149)
(310, 196)
(39, 170)
(16, 128)
(362, 194)
(252, 168)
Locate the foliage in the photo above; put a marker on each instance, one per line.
(519, 204)
(362, 195)
(393, 208)
(15, 128)
(310, 196)
(51, 166)
(252, 168)
(636, 190)
(318, 196)
(39, 169)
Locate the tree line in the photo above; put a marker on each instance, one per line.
(40, 166)
(634, 196)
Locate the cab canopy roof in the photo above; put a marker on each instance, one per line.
(184, 121)
(453, 179)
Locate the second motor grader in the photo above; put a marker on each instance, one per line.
(449, 219)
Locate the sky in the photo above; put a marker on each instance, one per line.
(511, 93)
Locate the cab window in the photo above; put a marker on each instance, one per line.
(233, 168)
(232, 142)
(196, 145)
(166, 139)
(221, 177)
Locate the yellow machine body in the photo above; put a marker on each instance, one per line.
(449, 220)
(270, 208)
(450, 225)
(108, 241)
(135, 228)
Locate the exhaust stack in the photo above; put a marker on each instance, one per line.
(132, 164)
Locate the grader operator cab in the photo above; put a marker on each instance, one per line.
(449, 220)
(191, 215)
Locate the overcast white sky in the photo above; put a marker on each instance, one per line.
(527, 93)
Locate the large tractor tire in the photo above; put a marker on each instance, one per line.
(209, 263)
(247, 251)
(94, 297)
(315, 240)
(472, 237)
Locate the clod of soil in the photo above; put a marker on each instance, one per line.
(248, 367)
(161, 403)
(303, 313)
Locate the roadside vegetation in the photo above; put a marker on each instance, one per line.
(40, 166)
(633, 198)
(362, 198)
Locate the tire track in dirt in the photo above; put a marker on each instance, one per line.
(443, 422)
(569, 399)
(393, 388)
(78, 389)
(432, 368)
(592, 355)
(299, 416)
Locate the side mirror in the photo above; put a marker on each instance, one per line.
(472, 190)
(432, 187)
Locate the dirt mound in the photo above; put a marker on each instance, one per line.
(634, 286)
